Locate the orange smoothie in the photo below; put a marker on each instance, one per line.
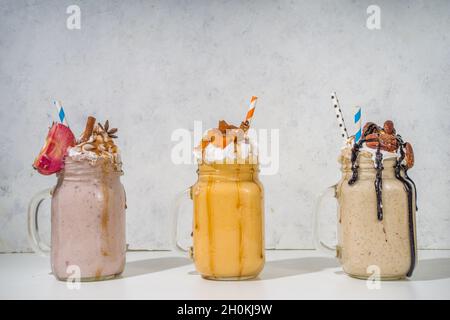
(228, 221)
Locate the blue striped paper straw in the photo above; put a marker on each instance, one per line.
(357, 121)
(61, 113)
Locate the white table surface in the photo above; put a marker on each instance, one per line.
(288, 274)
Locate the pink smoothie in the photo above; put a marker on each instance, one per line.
(88, 220)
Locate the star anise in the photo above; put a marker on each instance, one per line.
(110, 132)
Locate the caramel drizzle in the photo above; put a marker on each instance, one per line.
(241, 229)
(105, 213)
(98, 274)
(210, 226)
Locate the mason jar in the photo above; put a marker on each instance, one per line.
(87, 221)
(367, 245)
(228, 221)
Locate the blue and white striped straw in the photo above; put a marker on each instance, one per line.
(357, 121)
(61, 113)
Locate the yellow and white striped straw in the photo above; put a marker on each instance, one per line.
(251, 109)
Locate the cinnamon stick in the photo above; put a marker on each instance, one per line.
(88, 129)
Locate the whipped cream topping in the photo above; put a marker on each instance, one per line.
(97, 142)
(386, 154)
(240, 152)
(78, 154)
(346, 152)
(228, 144)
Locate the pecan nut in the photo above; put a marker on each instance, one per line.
(387, 142)
(388, 127)
(409, 155)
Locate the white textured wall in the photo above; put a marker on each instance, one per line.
(154, 66)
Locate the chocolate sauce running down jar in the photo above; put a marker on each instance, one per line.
(376, 217)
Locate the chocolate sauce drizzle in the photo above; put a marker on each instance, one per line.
(354, 157)
(379, 182)
(408, 188)
(405, 171)
(408, 184)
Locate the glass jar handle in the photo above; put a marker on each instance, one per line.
(33, 227)
(175, 216)
(319, 244)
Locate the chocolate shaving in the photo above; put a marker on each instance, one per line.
(245, 125)
(224, 126)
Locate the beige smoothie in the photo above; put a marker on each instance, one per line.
(377, 205)
(363, 239)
